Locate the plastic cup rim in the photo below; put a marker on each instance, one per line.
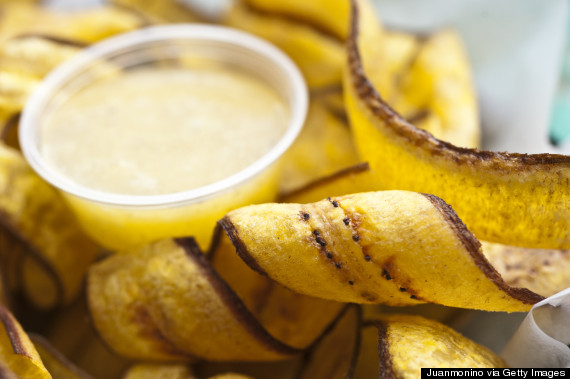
(59, 76)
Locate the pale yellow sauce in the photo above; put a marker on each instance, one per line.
(157, 131)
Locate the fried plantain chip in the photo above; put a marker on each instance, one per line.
(543, 271)
(319, 56)
(14, 91)
(329, 16)
(515, 199)
(43, 241)
(35, 55)
(17, 352)
(165, 302)
(159, 371)
(56, 363)
(393, 247)
(437, 93)
(408, 343)
(323, 147)
(21, 18)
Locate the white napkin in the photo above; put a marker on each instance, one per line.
(542, 339)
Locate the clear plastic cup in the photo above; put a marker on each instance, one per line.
(120, 221)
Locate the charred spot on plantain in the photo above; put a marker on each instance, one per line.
(356, 238)
(402, 289)
(305, 216)
(329, 255)
(321, 241)
(414, 297)
(346, 221)
(338, 265)
(386, 275)
(367, 258)
(351, 282)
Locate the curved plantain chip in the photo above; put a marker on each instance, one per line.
(49, 252)
(166, 302)
(17, 352)
(323, 147)
(56, 363)
(329, 16)
(14, 91)
(84, 26)
(319, 56)
(515, 199)
(438, 85)
(393, 247)
(35, 55)
(408, 343)
(543, 271)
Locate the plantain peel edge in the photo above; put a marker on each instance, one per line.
(392, 247)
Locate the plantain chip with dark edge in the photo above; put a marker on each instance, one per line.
(393, 247)
(166, 302)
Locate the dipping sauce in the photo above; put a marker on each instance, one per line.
(152, 131)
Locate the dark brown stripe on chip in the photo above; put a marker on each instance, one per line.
(9, 322)
(345, 172)
(54, 39)
(241, 249)
(385, 369)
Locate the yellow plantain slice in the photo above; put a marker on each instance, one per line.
(408, 343)
(319, 56)
(438, 84)
(21, 18)
(393, 247)
(17, 352)
(35, 55)
(159, 371)
(55, 362)
(545, 272)
(514, 199)
(36, 222)
(14, 91)
(323, 147)
(165, 302)
(329, 16)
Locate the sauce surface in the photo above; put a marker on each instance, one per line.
(163, 130)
